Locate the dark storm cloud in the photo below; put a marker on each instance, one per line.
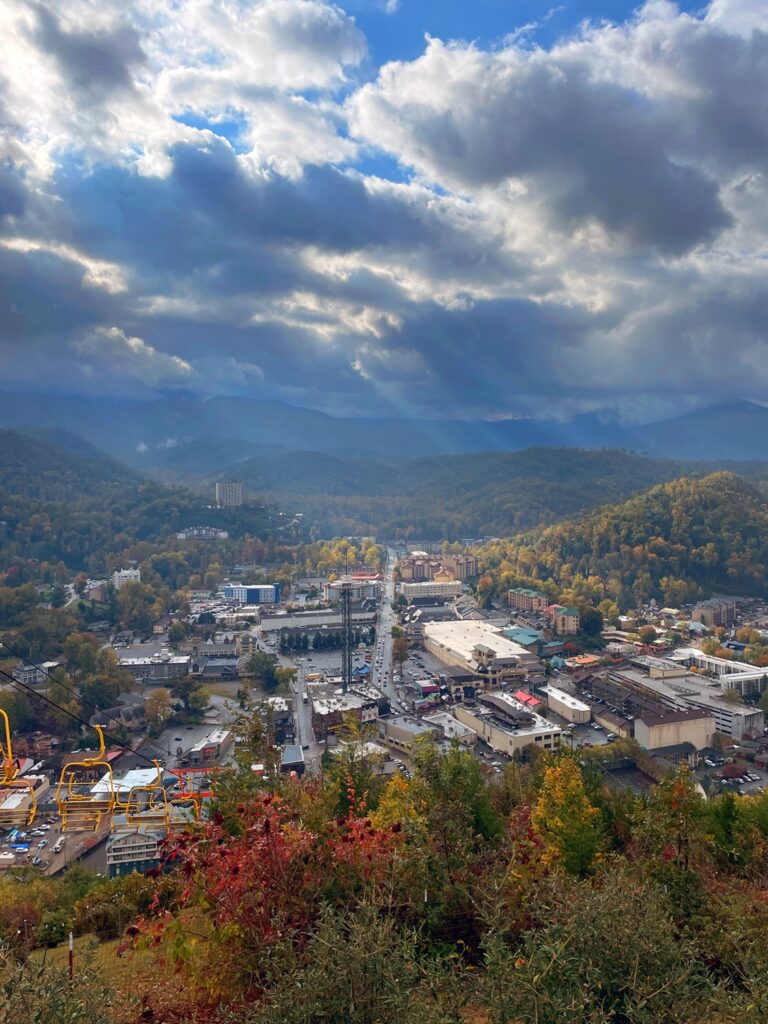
(582, 224)
(91, 61)
(590, 149)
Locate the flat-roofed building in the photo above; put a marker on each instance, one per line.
(716, 612)
(156, 668)
(675, 727)
(361, 588)
(229, 493)
(481, 648)
(463, 567)
(331, 706)
(507, 725)
(684, 692)
(443, 589)
(213, 747)
(450, 728)
(402, 732)
(566, 705)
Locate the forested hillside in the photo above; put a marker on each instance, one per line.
(545, 895)
(674, 542)
(59, 506)
(489, 493)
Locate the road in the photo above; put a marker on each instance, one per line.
(381, 663)
(381, 669)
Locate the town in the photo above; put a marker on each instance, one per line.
(384, 652)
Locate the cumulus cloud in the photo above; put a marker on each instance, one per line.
(197, 194)
(109, 351)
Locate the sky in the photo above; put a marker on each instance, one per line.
(421, 207)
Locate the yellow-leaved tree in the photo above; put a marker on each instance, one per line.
(565, 820)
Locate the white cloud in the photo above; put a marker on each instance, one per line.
(110, 352)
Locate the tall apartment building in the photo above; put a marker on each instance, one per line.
(715, 612)
(123, 576)
(462, 566)
(526, 600)
(229, 493)
(419, 567)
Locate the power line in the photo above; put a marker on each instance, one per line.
(75, 694)
(28, 691)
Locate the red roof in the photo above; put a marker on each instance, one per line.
(526, 698)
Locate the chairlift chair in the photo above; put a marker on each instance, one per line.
(13, 812)
(81, 810)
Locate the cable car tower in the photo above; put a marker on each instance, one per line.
(346, 634)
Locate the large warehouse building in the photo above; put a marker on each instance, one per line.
(481, 648)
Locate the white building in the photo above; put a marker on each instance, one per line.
(567, 706)
(229, 493)
(479, 647)
(507, 725)
(360, 589)
(122, 576)
(443, 589)
(266, 593)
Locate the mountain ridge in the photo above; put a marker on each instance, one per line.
(132, 428)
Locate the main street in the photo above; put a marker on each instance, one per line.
(381, 663)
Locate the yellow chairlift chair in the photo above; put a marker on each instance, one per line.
(18, 802)
(81, 809)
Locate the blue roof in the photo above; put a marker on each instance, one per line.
(523, 636)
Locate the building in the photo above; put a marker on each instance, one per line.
(137, 849)
(362, 587)
(565, 621)
(445, 590)
(252, 594)
(566, 705)
(526, 600)
(716, 612)
(202, 533)
(211, 748)
(657, 685)
(229, 493)
(292, 760)
(480, 647)
(401, 733)
(732, 675)
(331, 706)
(122, 576)
(450, 728)
(156, 668)
(33, 675)
(420, 566)
(507, 725)
(675, 727)
(205, 667)
(246, 644)
(463, 567)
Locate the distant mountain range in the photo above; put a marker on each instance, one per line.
(227, 429)
(458, 495)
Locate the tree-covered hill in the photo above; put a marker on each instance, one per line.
(57, 505)
(675, 541)
(496, 493)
